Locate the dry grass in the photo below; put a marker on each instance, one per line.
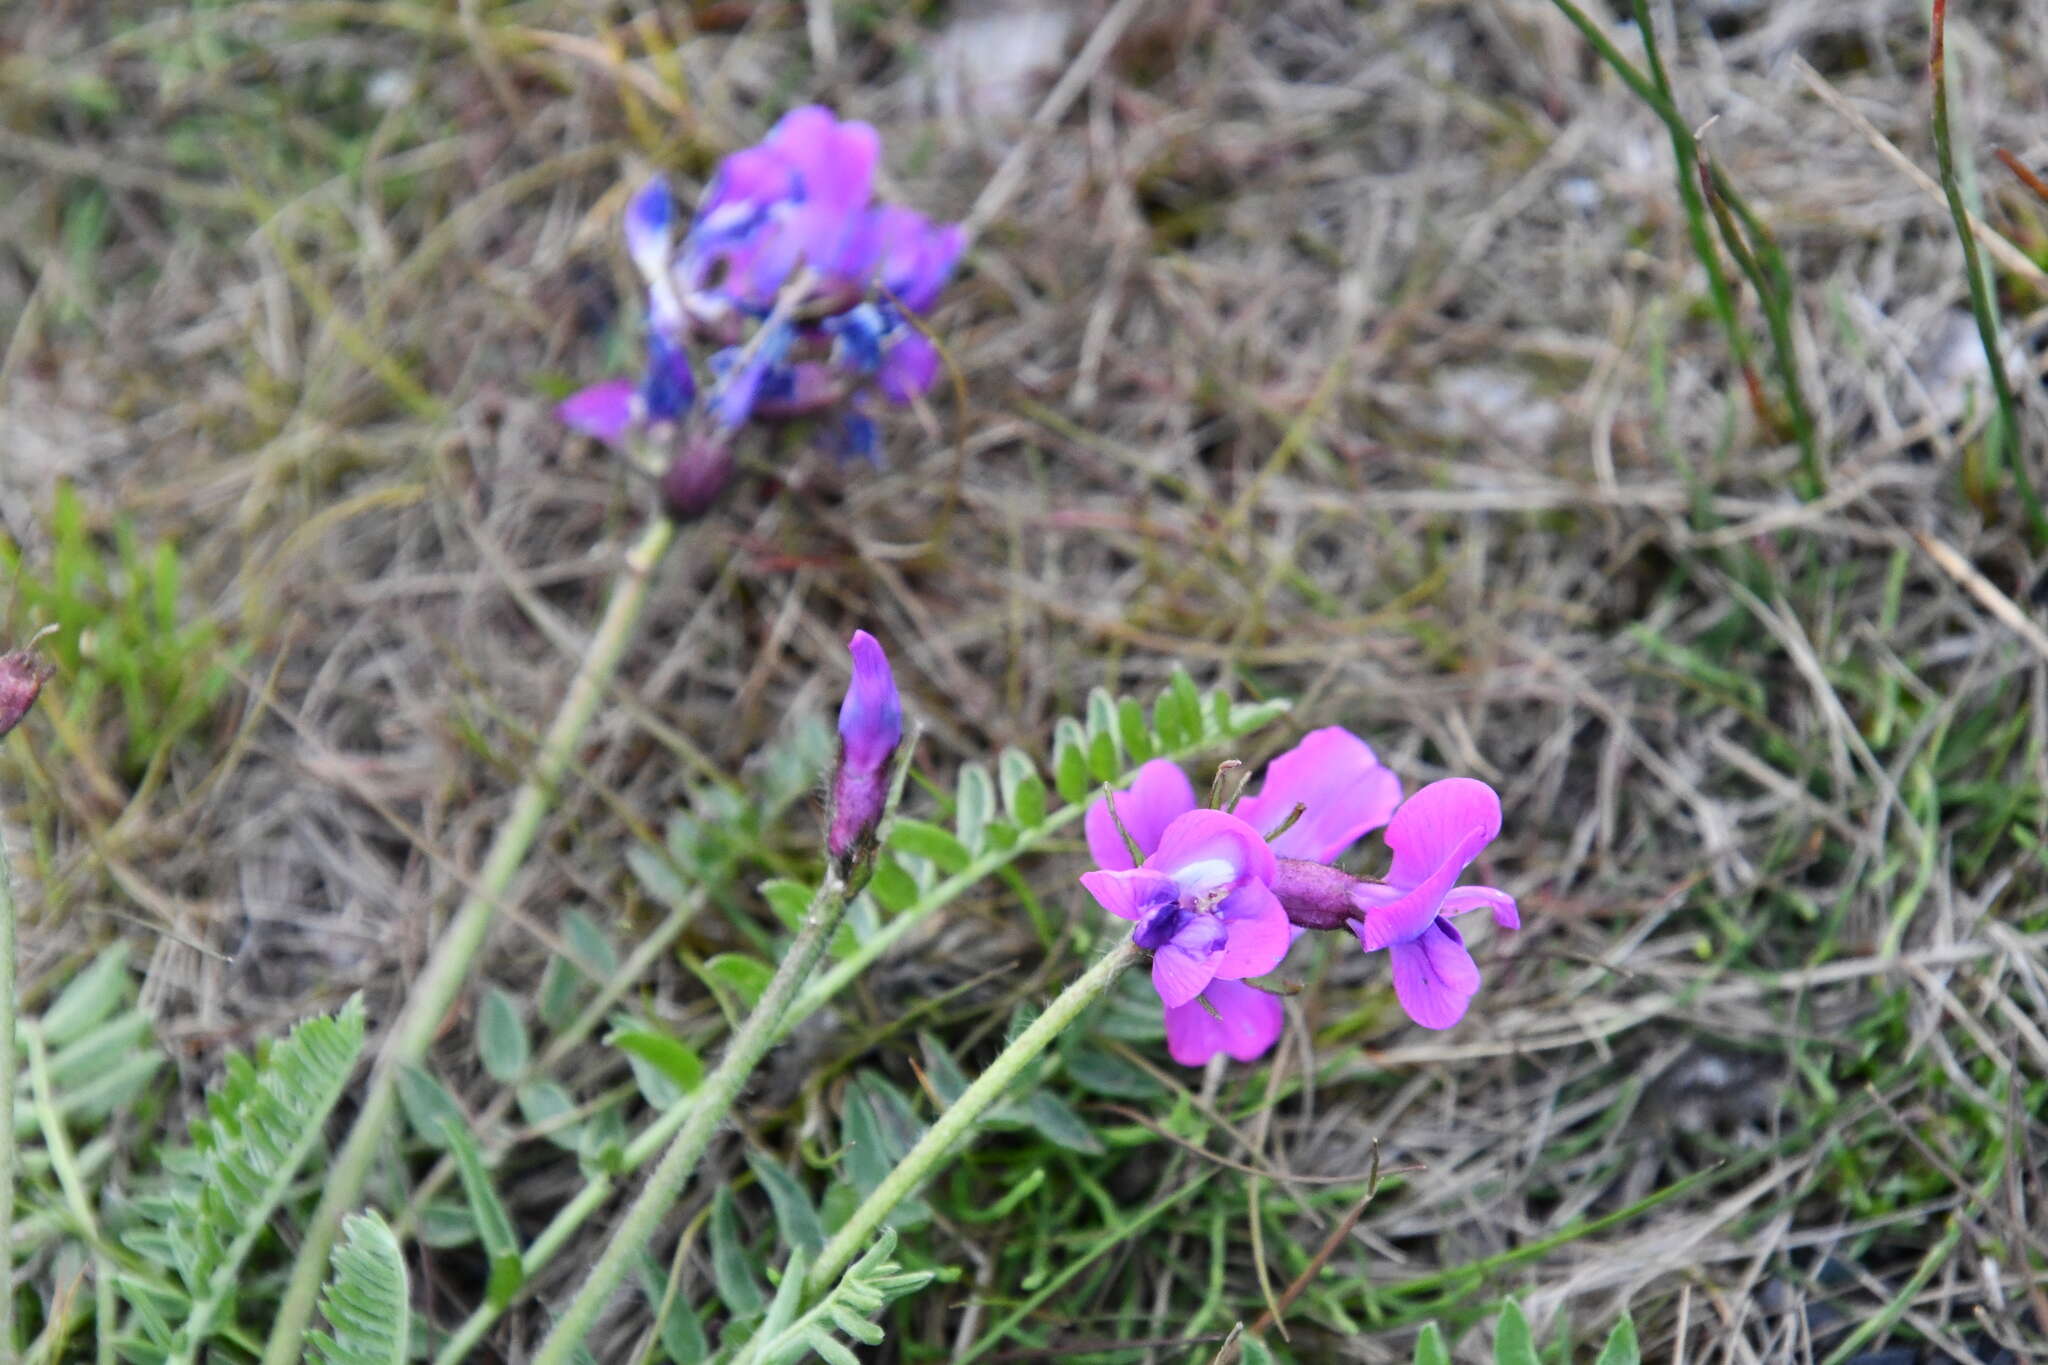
(1355, 353)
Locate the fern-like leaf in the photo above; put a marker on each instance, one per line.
(868, 1285)
(264, 1121)
(365, 1300)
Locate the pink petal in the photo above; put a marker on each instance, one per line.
(1435, 834)
(910, 368)
(1180, 975)
(1246, 1024)
(1158, 794)
(1128, 893)
(1464, 899)
(1259, 935)
(602, 410)
(836, 160)
(1205, 843)
(1435, 978)
(1347, 793)
(1446, 822)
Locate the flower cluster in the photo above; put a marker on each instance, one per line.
(797, 288)
(1219, 895)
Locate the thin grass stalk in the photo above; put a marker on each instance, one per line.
(709, 1107)
(1982, 306)
(1762, 264)
(1655, 92)
(933, 1149)
(448, 966)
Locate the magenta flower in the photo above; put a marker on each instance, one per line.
(1203, 905)
(1434, 836)
(803, 196)
(1345, 793)
(1344, 789)
(870, 728)
(1246, 1023)
(798, 197)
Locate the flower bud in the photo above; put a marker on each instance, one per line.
(22, 675)
(696, 476)
(870, 728)
(1315, 895)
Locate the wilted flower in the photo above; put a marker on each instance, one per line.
(22, 675)
(1203, 906)
(870, 728)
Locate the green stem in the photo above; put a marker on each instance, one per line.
(433, 994)
(708, 1108)
(1655, 91)
(7, 1071)
(869, 950)
(1982, 306)
(938, 1142)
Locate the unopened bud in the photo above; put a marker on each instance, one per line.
(870, 728)
(1315, 895)
(22, 675)
(691, 484)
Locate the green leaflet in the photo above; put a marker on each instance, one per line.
(366, 1301)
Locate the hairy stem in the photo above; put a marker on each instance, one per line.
(7, 1072)
(435, 991)
(708, 1108)
(937, 1144)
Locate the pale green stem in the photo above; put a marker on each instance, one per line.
(434, 993)
(933, 1149)
(7, 1070)
(64, 1163)
(708, 1108)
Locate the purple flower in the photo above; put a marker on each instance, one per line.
(1344, 790)
(1245, 1025)
(798, 197)
(870, 728)
(1346, 793)
(914, 256)
(1434, 836)
(613, 409)
(1203, 906)
(1334, 775)
(649, 221)
(605, 410)
(740, 385)
(802, 197)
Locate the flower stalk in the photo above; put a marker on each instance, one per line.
(938, 1143)
(7, 1072)
(711, 1104)
(22, 675)
(708, 1109)
(448, 966)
